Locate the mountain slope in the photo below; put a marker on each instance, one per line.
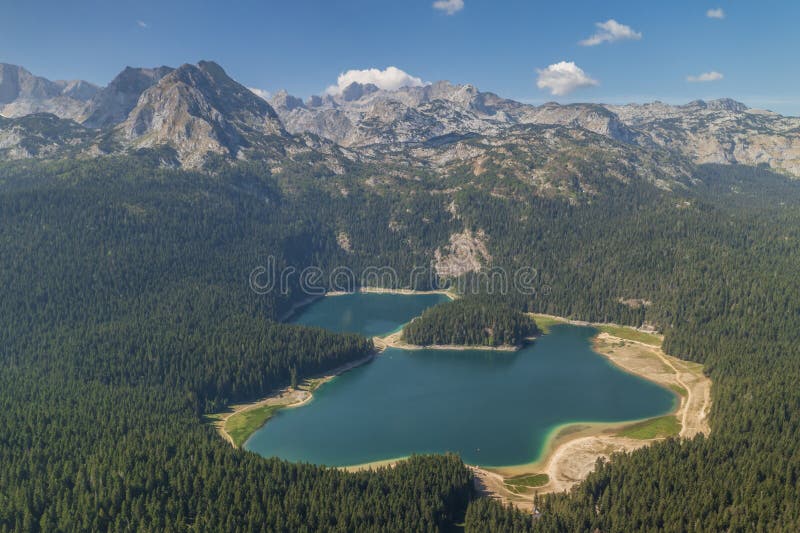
(552, 160)
(41, 136)
(719, 131)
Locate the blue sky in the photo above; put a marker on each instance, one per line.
(499, 46)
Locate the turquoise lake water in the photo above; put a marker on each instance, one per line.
(493, 408)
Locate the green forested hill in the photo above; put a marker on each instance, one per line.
(126, 315)
(470, 321)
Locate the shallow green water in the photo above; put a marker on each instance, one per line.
(493, 408)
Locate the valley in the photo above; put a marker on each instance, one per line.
(166, 239)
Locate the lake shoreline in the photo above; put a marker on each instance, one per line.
(571, 449)
(313, 298)
(381, 290)
(287, 397)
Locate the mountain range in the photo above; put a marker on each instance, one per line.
(196, 113)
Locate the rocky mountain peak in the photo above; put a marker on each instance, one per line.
(314, 101)
(355, 91)
(138, 80)
(282, 101)
(209, 81)
(112, 104)
(197, 110)
(720, 104)
(78, 89)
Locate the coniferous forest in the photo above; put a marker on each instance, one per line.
(126, 317)
(470, 321)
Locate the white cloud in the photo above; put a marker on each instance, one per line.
(449, 6)
(705, 76)
(261, 93)
(390, 79)
(715, 13)
(563, 78)
(142, 24)
(610, 31)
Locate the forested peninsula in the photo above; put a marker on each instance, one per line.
(470, 322)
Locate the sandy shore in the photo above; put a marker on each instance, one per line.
(381, 290)
(572, 450)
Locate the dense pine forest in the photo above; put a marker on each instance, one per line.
(470, 321)
(127, 316)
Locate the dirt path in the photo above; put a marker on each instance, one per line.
(493, 485)
(686, 429)
(685, 376)
(574, 450)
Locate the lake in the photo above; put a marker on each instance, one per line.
(367, 313)
(493, 408)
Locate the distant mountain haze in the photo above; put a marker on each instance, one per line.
(22, 93)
